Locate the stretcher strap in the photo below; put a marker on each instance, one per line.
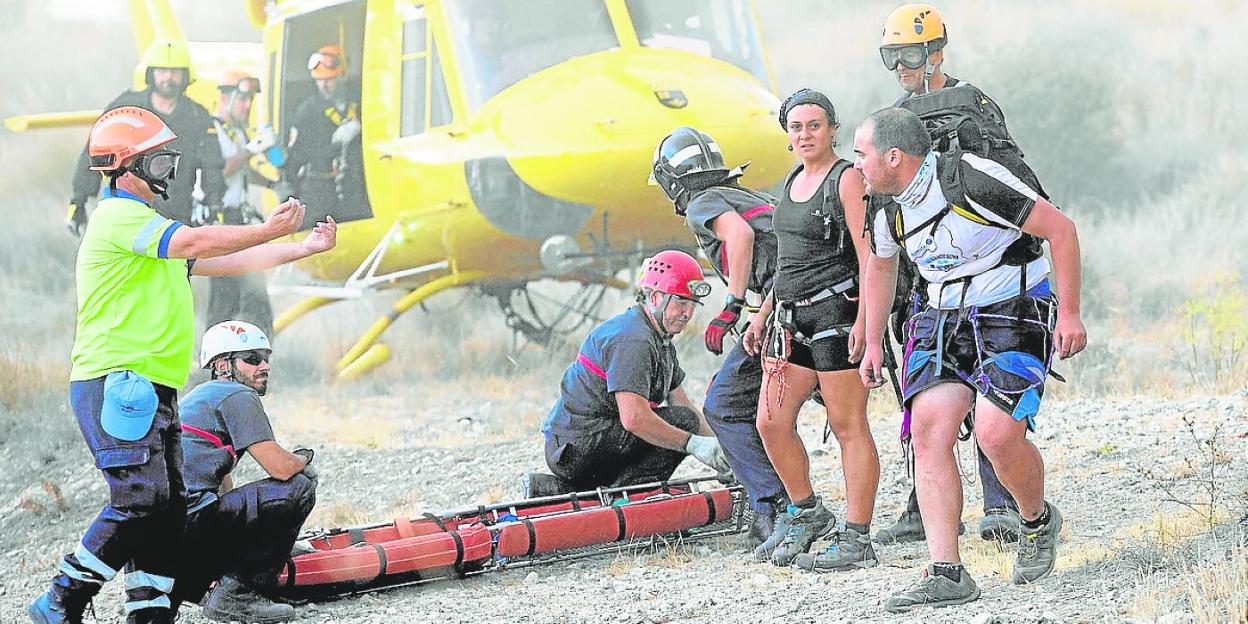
(619, 519)
(528, 525)
(356, 535)
(711, 511)
(381, 560)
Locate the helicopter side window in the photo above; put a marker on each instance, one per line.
(722, 29)
(501, 42)
(425, 101)
(415, 61)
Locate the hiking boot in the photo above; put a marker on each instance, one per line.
(762, 526)
(1037, 549)
(63, 603)
(537, 484)
(780, 527)
(806, 526)
(155, 615)
(231, 601)
(933, 590)
(999, 524)
(908, 528)
(849, 550)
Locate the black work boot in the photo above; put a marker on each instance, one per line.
(154, 615)
(63, 603)
(762, 526)
(537, 484)
(232, 601)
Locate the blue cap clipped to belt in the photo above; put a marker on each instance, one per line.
(129, 405)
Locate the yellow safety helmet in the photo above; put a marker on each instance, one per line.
(167, 54)
(915, 24)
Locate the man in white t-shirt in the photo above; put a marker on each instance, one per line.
(974, 232)
(242, 297)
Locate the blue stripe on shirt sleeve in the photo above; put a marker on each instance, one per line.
(162, 250)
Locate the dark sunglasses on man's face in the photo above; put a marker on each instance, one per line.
(253, 358)
(911, 56)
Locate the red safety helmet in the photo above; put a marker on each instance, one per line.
(676, 273)
(124, 132)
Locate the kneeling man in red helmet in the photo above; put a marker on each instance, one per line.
(622, 417)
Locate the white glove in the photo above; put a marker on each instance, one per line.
(707, 450)
(263, 140)
(346, 132)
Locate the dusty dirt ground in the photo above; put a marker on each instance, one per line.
(464, 442)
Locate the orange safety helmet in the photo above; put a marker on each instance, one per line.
(124, 132)
(239, 81)
(674, 272)
(327, 62)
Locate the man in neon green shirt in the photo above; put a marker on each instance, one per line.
(133, 350)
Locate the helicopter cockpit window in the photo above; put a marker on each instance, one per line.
(501, 42)
(722, 29)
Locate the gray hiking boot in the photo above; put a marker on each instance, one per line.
(908, 528)
(1037, 549)
(849, 550)
(231, 601)
(933, 590)
(999, 524)
(780, 528)
(762, 525)
(806, 526)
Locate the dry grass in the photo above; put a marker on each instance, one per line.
(1219, 593)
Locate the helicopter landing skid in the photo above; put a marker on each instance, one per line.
(367, 354)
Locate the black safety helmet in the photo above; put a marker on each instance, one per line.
(806, 96)
(686, 162)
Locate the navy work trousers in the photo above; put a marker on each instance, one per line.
(247, 533)
(615, 457)
(731, 409)
(141, 526)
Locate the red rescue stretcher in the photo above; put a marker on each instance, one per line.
(513, 534)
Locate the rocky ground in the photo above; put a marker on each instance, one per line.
(466, 442)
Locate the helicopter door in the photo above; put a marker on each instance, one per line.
(324, 169)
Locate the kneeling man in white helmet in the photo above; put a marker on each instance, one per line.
(238, 536)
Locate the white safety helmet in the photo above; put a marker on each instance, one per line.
(229, 337)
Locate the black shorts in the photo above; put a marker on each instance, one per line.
(824, 328)
(1001, 350)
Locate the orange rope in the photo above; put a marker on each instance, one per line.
(774, 367)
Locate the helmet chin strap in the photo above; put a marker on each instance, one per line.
(660, 313)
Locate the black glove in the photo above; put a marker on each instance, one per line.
(76, 216)
(308, 471)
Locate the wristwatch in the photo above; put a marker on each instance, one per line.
(731, 300)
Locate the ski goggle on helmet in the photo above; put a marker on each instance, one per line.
(157, 166)
(910, 56)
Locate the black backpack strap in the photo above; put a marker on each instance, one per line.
(832, 204)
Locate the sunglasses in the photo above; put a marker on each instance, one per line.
(910, 56)
(254, 358)
(159, 165)
(329, 61)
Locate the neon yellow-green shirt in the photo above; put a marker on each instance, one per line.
(134, 302)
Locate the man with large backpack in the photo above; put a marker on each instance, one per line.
(985, 338)
(912, 47)
(733, 226)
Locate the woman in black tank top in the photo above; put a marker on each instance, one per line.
(815, 336)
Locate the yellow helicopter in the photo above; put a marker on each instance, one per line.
(503, 142)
